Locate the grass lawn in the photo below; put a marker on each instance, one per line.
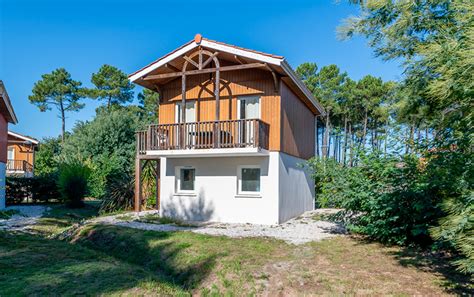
(109, 260)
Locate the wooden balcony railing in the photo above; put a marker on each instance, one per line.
(204, 135)
(19, 166)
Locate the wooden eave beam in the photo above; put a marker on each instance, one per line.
(171, 67)
(209, 60)
(191, 61)
(203, 71)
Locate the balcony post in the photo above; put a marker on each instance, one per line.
(256, 128)
(217, 136)
(138, 185)
(183, 108)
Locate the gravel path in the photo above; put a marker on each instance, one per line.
(300, 230)
(28, 215)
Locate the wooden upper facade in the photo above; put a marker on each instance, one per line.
(21, 153)
(214, 95)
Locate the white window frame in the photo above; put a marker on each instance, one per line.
(239, 181)
(178, 109)
(13, 152)
(239, 98)
(178, 180)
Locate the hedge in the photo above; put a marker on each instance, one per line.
(31, 189)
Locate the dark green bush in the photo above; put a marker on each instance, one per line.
(390, 195)
(119, 190)
(31, 189)
(107, 143)
(72, 183)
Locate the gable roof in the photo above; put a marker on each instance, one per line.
(278, 62)
(6, 108)
(23, 137)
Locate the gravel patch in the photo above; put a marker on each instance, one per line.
(28, 215)
(299, 230)
(305, 228)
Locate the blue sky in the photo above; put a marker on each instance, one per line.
(37, 37)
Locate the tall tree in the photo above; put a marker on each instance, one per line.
(434, 39)
(57, 89)
(111, 85)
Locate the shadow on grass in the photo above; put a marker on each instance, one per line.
(33, 265)
(455, 282)
(424, 260)
(161, 253)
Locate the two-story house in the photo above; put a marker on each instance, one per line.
(21, 154)
(235, 128)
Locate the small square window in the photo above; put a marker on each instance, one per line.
(187, 176)
(250, 180)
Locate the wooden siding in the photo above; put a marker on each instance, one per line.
(23, 152)
(297, 125)
(233, 85)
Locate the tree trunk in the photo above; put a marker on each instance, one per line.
(344, 149)
(364, 133)
(409, 145)
(317, 137)
(386, 139)
(63, 122)
(325, 148)
(350, 145)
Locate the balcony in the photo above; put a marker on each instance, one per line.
(249, 135)
(19, 167)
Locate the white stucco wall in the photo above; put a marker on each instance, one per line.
(285, 190)
(296, 187)
(216, 196)
(2, 185)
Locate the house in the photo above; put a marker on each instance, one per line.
(21, 154)
(7, 115)
(235, 127)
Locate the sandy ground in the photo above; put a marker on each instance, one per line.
(28, 215)
(305, 228)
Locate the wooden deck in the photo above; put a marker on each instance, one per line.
(204, 135)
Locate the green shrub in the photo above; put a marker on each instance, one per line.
(31, 189)
(330, 180)
(119, 192)
(107, 142)
(389, 194)
(72, 183)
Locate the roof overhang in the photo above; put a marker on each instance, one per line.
(276, 61)
(23, 137)
(6, 107)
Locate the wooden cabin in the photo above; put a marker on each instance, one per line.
(234, 128)
(7, 115)
(21, 154)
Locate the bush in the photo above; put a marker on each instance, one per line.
(330, 180)
(119, 193)
(31, 189)
(107, 142)
(390, 195)
(72, 183)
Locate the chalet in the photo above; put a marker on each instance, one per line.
(21, 154)
(234, 128)
(7, 115)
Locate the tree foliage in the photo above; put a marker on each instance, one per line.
(107, 142)
(433, 39)
(46, 159)
(149, 102)
(112, 86)
(60, 91)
